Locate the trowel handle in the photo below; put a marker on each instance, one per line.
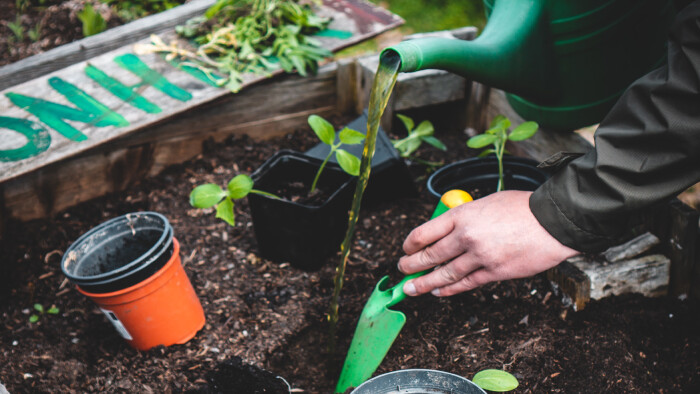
(450, 199)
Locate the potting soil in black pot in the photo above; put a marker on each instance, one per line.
(389, 178)
(304, 234)
(479, 176)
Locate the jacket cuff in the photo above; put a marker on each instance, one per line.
(551, 216)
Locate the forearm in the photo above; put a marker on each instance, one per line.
(647, 150)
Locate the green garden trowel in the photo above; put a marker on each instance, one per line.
(379, 326)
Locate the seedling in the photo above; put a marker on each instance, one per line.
(497, 135)
(416, 136)
(495, 380)
(211, 194)
(35, 32)
(41, 311)
(17, 28)
(326, 133)
(93, 22)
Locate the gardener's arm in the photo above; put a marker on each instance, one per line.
(647, 150)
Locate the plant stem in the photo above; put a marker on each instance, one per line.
(320, 169)
(262, 193)
(499, 154)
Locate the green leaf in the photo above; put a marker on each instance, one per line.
(206, 196)
(408, 122)
(500, 122)
(53, 310)
(224, 211)
(524, 131)
(486, 152)
(33, 318)
(348, 162)
(409, 146)
(323, 129)
(424, 129)
(93, 22)
(434, 142)
(350, 136)
(481, 140)
(39, 308)
(240, 186)
(495, 380)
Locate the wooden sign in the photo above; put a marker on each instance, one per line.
(77, 108)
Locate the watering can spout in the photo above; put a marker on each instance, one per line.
(510, 54)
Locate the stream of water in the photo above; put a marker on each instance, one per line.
(384, 81)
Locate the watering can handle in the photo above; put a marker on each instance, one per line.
(450, 199)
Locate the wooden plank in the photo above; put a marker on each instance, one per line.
(646, 275)
(682, 247)
(361, 19)
(573, 282)
(89, 47)
(117, 164)
(632, 248)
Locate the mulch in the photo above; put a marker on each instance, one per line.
(267, 320)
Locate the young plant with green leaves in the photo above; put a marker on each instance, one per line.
(497, 135)
(416, 137)
(41, 311)
(211, 194)
(93, 22)
(16, 28)
(130, 10)
(326, 133)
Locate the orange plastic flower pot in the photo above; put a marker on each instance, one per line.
(160, 310)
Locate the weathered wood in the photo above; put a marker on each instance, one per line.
(632, 248)
(572, 282)
(348, 86)
(646, 275)
(89, 47)
(682, 247)
(118, 164)
(695, 284)
(359, 18)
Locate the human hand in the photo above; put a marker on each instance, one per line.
(491, 239)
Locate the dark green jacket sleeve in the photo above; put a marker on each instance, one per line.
(647, 150)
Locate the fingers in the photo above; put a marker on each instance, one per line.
(428, 233)
(433, 255)
(475, 279)
(443, 277)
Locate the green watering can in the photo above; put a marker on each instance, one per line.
(379, 326)
(563, 63)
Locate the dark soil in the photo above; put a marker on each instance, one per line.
(56, 22)
(272, 316)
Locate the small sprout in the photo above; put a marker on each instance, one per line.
(93, 22)
(495, 380)
(416, 136)
(41, 311)
(497, 135)
(210, 194)
(326, 133)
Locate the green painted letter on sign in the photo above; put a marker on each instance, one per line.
(38, 139)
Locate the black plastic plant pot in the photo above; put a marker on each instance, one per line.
(481, 174)
(119, 253)
(287, 231)
(389, 177)
(418, 381)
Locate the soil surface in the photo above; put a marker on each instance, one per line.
(265, 316)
